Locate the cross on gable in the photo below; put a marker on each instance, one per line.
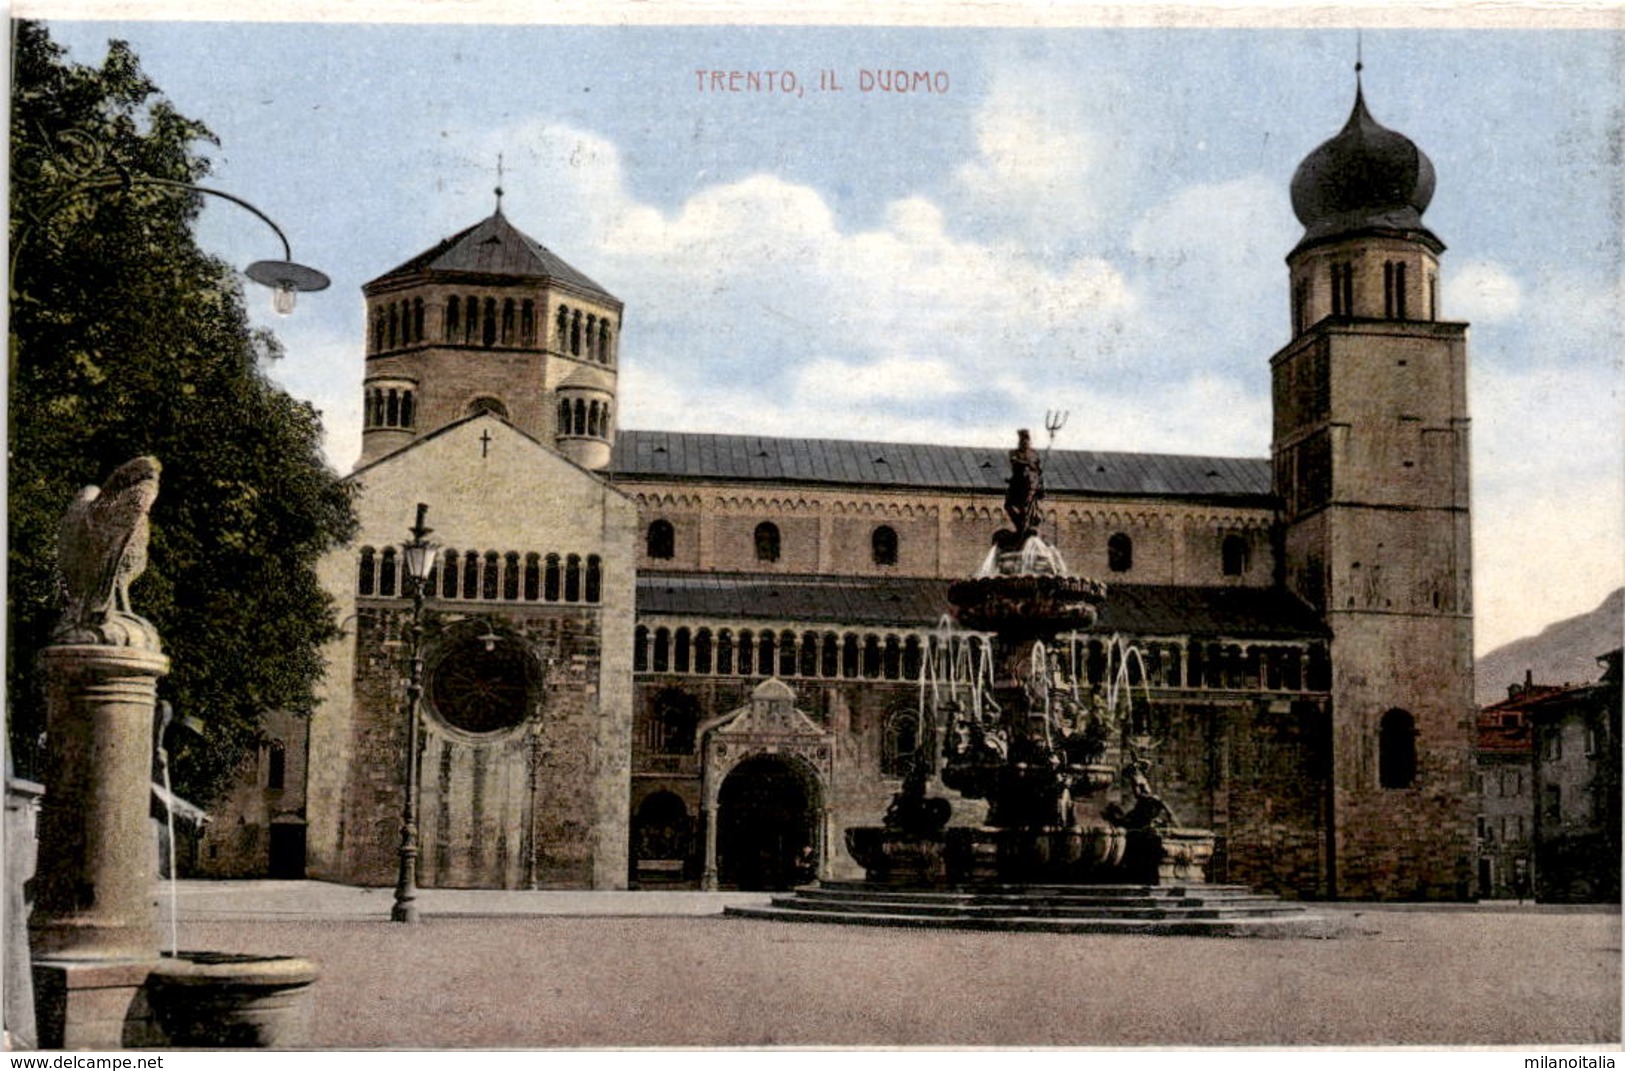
(485, 443)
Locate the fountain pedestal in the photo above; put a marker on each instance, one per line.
(94, 930)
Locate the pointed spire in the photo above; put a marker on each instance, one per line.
(499, 184)
(1359, 65)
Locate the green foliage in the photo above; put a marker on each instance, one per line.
(126, 339)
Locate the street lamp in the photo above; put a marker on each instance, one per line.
(419, 560)
(86, 162)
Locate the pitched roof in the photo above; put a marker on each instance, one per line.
(698, 456)
(494, 246)
(921, 602)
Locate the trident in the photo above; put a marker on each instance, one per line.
(1054, 421)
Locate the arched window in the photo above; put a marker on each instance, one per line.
(392, 408)
(471, 318)
(899, 742)
(883, 545)
(603, 341)
(550, 579)
(563, 326)
(1396, 750)
(564, 416)
(581, 418)
(807, 655)
(388, 571)
(830, 662)
(662, 659)
(407, 415)
(702, 651)
(912, 659)
(787, 654)
(767, 542)
(417, 319)
(661, 542)
(849, 655)
(394, 327)
(592, 338)
(871, 656)
(510, 575)
(725, 652)
(377, 330)
(575, 334)
(681, 647)
(767, 646)
(471, 574)
(747, 651)
(448, 576)
(603, 421)
(507, 322)
(488, 590)
(1433, 296)
(369, 567)
(572, 578)
(378, 408)
(1393, 289)
(1120, 553)
(453, 313)
(487, 404)
(1342, 290)
(893, 665)
(595, 578)
(527, 323)
(533, 577)
(592, 419)
(640, 648)
(1234, 552)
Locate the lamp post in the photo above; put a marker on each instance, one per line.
(419, 555)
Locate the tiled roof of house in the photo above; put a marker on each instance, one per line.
(671, 455)
(1137, 609)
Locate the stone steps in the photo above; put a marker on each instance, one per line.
(1216, 910)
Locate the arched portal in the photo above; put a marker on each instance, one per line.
(662, 839)
(767, 825)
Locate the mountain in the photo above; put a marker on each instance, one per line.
(1564, 652)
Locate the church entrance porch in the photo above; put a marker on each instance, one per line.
(767, 826)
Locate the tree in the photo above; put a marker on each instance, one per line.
(127, 339)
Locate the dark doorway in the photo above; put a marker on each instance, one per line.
(288, 850)
(662, 840)
(767, 826)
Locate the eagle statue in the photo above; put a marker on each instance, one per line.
(101, 549)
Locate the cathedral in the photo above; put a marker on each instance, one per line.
(672, 659)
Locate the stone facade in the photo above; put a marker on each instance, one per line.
(1305, 620)
(527, 671)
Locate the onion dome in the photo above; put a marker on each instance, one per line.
(1366, 180)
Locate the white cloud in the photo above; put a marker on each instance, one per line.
(1481, 291)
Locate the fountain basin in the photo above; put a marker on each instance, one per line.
(223, 1000)
(1037, 605)
(1162, 856)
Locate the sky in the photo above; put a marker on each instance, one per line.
(1085, 219)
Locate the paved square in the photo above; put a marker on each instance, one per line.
(1422, 976)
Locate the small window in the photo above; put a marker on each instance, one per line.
(488, 404)
(1396, 750)
(1553, 749)
(1120, 553)
(883, 545)
(662, 540)
(368, 572)
(767, 542)
(276, 766)
(1234, 553)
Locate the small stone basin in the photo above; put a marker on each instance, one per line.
(1026, 605)
(229, 1000)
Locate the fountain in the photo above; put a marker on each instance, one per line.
(99, 979)
(1075, 836)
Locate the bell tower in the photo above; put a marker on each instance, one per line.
(1370, 453)
(491, 320)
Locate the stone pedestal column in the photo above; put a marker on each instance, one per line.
(94, 897)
